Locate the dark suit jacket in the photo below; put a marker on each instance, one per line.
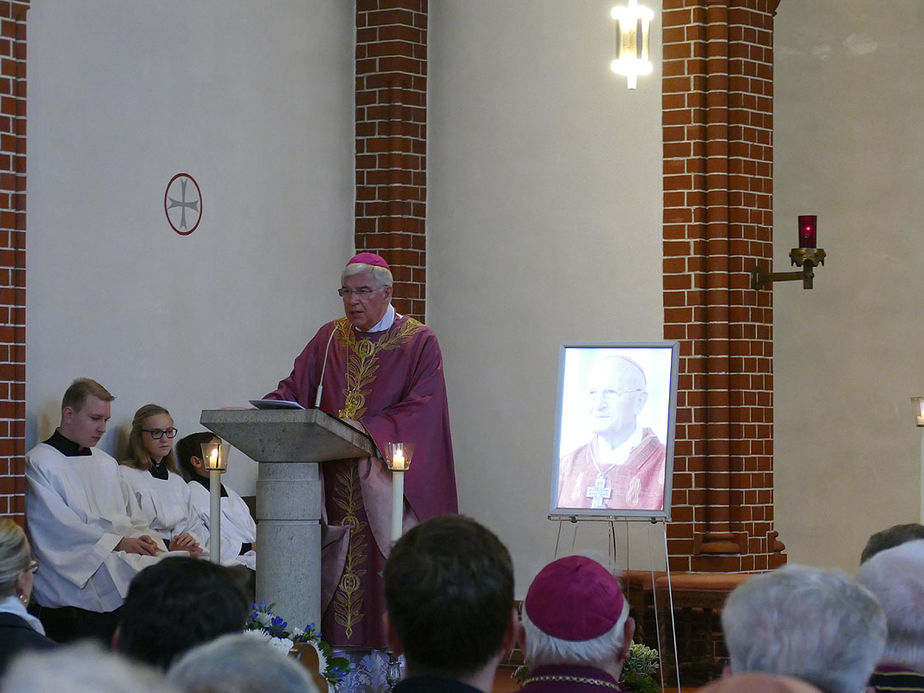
(18, 636)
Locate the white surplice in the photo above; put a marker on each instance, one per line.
(166, 504)
(78, 509)
(237, 524)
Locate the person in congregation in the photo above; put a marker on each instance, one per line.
(449, 593)
(889, 537)
(896, 577)
(151, 473)
(576, 628)
(622, 466)
(19, 630)
(237, 663)
(83, 667)
(815, 625)
(177, 604)
(86, 527)
(238, 529)
(381, 372)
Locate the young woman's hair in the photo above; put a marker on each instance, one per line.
(15, 555)
(138, 456)
(189, 447)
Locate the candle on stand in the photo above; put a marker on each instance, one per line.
(397, 504)
(215, 457)
(808, 231)
(215, 516)
(398, 458)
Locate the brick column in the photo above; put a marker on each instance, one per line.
(391, 142)
(718, 185)
(13, 256)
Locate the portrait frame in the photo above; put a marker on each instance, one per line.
(579, 365)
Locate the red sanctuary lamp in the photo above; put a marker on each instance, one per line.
(808, 230)
(807, 256)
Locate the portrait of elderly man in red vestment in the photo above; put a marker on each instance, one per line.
(622, 466)
(383, 374)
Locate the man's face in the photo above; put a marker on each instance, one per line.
(87, 426)
(616, 396)
(363, 301)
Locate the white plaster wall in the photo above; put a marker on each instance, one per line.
(544, 223)
(848, 146)
(254, 100)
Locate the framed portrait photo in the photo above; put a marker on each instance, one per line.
(614, 435)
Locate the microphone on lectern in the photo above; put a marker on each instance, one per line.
(317, 397)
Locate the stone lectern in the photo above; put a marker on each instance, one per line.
(289, 444)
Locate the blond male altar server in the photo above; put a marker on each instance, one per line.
(383, 374)
(87, 529)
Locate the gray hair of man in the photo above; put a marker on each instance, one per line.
(896, 577)
(381, 275)
(84, 667)
(239, 663)
(598, 652)
(816, 625)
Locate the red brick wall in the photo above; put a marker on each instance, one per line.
(12, 256)
(718, 176)
(391, 142)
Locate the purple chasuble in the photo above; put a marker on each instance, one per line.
(392, 383)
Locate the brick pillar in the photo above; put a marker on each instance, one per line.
(718, 186)
(13, 256)
(391, 142)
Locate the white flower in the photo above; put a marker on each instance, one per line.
(260, 635)
(281, 644)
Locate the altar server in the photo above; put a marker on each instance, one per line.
(238, 529)
(382, 372)
(86, 527)
(161, 492)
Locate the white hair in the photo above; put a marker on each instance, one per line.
(896, 577)
(816, 625)
(84, 667)
(381, 275)
(600, 652)
(239, 663)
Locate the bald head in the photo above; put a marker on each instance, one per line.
(617, 394)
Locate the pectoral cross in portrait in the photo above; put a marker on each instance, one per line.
(599, 492)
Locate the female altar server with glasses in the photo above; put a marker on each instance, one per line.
(150, 471)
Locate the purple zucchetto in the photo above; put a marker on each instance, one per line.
(369, 259)
(574, 598)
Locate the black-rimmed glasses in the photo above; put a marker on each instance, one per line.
(158, 433)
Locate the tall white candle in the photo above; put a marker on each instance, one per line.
(215, 516)
(397, 504)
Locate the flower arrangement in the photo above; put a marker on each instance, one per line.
(265, 625)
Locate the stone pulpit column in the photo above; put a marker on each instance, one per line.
(289, 445)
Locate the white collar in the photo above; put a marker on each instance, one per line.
(12, 605)
(620, 453)
(387, 320)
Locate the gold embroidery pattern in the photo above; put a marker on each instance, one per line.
(362, 361)
(348, 601)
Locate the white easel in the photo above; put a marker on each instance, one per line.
(612, 552)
